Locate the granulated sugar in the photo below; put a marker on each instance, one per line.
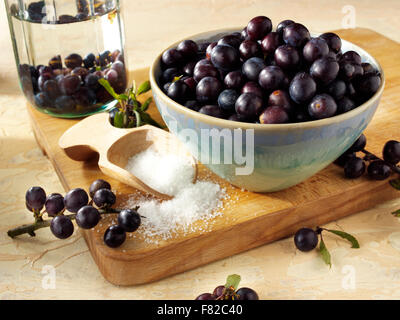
(192, 202)
(166, 173)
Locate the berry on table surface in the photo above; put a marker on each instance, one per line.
(75, 199)
(35, 198)
(354, 168)
(104, 198)
(114, 236)
(62, 227)
(129, 220)
(87, 217)
(391, 152)
(306, 239)
(54, 204)
(247, 294)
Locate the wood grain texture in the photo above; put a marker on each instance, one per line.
(249, 219)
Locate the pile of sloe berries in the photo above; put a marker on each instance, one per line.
(268, 77)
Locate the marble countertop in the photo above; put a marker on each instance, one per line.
(275, 271)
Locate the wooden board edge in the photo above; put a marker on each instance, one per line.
(207, 248)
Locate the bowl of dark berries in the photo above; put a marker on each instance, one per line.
(266, 109)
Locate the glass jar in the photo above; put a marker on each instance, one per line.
(62, 48)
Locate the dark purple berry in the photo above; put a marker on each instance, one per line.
(306, 239)
(287, 57)
(322, 106)
(270, 43)
(367, 85)
(359, 144)
(274, 115)
(271, 78)
(282, 25)
(280, 98)
(206, 296)
(302, 88)
(213, 111)
(104, 198)
(114, 236)
(351, 56)
(259, 27)
(35, 197)
(129, 219)
(225, 57)
(252, 68)
(324, 70)
(391, 152)
(187, 48)
(227, 99)
(172, 58)
(252, 87)
(76, 199)
(54, 204)
(234, 80)
(62, 227)
(230, 40)
(379, 170)
(333, 41)
(337, 89)
(315, 49)
(249, 105)
(345, 105)
(247, 294)
(73, 61)
(87, 217)
(296, 35)
(342, 160)
(354, 168)
(249, 49)
(208, 89)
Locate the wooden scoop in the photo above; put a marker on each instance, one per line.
(115, 146)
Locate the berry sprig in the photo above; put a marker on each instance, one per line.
(129, 112)
(230, 291)
(306, 239)
(87, 214)
(378, 169)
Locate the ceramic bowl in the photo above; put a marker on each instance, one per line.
(284, 154)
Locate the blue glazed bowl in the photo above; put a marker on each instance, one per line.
(283, 154)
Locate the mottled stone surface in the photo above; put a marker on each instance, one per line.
(276, 271)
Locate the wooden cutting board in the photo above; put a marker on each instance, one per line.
(249, 219)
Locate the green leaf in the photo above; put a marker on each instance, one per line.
(144, 87)
(396, 213)
(395, 183)
(123, 96)
(326, 256)
(109, 88)
(233, 281)
(146, 118)
(146, 104)
(119, 119)
(347, 236)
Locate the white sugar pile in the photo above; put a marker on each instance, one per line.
(166, 173)
(173, 175)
